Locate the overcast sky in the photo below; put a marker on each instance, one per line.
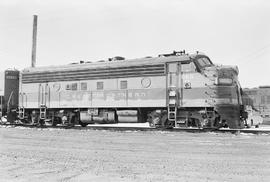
(230, 32)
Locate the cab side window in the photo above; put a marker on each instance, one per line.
(188, 67)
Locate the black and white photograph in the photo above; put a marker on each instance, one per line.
(134, 90)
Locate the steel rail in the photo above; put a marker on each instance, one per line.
(127, 128)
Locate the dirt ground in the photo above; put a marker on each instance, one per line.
(88, 155)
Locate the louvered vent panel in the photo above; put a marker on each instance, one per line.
(91, 74)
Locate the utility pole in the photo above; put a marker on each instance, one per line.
(34, 41)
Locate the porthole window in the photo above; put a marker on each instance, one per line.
(146, 82)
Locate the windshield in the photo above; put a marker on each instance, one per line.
(204, 62)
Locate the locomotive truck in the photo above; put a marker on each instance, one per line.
(171, 90)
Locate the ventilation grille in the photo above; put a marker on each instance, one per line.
(91, 74)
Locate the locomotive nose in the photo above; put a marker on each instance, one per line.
(227, 71)
(224, 75)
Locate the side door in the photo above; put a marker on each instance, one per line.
(44, 95)
(174, 83)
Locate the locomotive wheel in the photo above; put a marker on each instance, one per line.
(56, 120)
(34, 120)
(83, 124)
(154, 119)
(54, 123)
(151, 124)
(41, 122)
(166, 123)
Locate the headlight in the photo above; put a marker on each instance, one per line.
(223, 81)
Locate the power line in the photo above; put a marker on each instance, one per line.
(254, 53)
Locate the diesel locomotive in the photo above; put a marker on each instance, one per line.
(171, 90)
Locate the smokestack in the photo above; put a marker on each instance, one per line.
(34, 41)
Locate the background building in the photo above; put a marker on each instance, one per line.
(259, 100)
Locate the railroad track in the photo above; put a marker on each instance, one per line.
(138, 128)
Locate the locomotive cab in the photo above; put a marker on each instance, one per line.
(203, 95)
(203, 62)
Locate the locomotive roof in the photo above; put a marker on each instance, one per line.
(112, 64)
